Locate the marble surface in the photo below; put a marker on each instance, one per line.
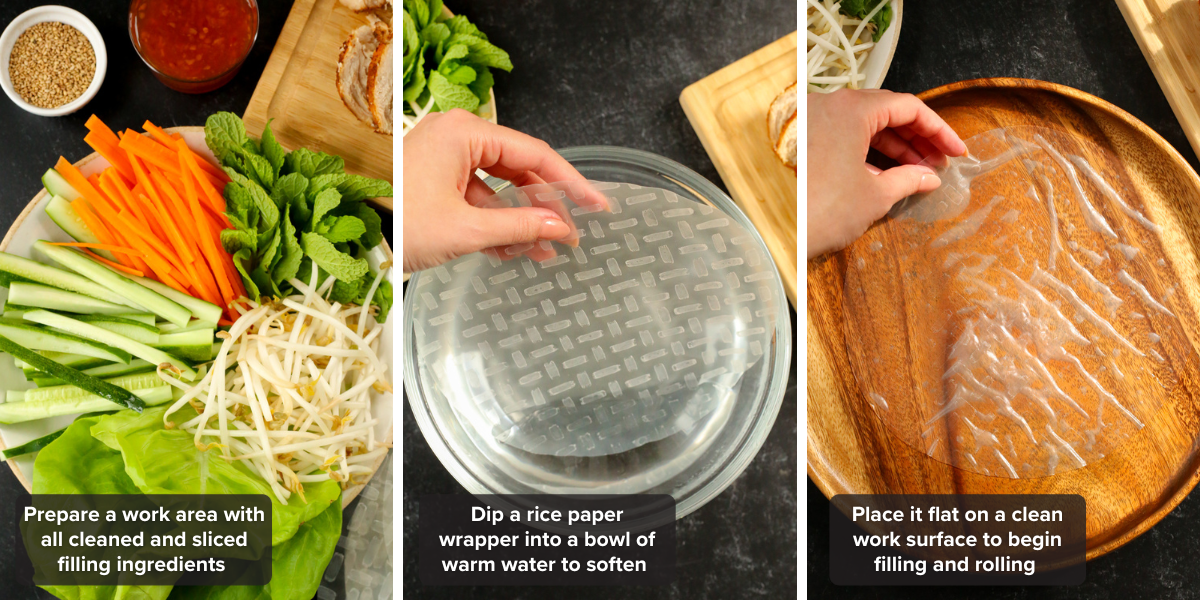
(1085, 45)
(605, 73)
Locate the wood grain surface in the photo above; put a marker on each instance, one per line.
(851, 450)
(298, 92)
(728, 109)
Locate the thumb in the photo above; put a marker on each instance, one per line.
(492, 227)
(898, 183)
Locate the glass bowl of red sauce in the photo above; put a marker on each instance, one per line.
(193, 46)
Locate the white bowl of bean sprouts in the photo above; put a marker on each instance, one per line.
(841, 51)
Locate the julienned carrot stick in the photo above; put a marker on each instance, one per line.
(216, 270)
(150, 151)
(182, 248)
(109, 247)
(76, 179)
(192, 229)
(208, 193)
(168, 140)
(111, 153)
(115, 265)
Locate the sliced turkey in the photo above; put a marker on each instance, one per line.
(781, 125)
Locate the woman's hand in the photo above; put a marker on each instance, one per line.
(845, 194)
(443, 218)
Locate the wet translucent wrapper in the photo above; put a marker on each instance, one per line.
(641, 331)
(1014, 322)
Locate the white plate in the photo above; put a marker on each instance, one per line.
(33, 224)
(880, 59)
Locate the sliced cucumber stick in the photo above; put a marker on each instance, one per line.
(19, 268)
(36, 295)
(31, 446)
(104, 336)
(30, 410)
(138, 332)
(196, 346)
(203, 311)
(40, 338)
(60, 211)
(56, 185)
(135, 366)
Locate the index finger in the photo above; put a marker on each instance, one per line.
(512, 155)
(906, 110)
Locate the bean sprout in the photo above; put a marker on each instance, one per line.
(290, 390)
(838, 45)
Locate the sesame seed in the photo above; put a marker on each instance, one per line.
(51, 64)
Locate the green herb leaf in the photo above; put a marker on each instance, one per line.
(224, 133)
(450, 95)
(243, 261)
(482, 85)
(288, 188)
(419, 11)
(460, 24)
(346, 292)
(234, 240)
(240, 207)
(382, 299)
(335, 262)
(356, 187)
(268, 211)
(325, 201)
(272, 151)
(291, 254)
(373, 224)
(310, 164)
(341, 229)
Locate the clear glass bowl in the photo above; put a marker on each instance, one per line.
(693, 468)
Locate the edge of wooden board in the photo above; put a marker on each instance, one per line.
(696, 100)
(255, 116)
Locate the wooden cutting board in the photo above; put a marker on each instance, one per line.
(1168, 32)
(298, 92)
(728, 110)
(852, 451)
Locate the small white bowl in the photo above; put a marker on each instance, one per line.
(60, 14)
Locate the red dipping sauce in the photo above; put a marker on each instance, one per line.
(193, 46)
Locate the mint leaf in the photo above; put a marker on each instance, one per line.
(341, 229)
(291, 253)
(346, 292)
(373, 224)
(490, 56)
(482, 85)
(460, 24)
(310, 164)
(455, 52)
(419, 11)
(356, 187)
(412, 40)
(435, 11)
(325, 201)
(321, 183)
(288, 188)
(451, 95)
(270, 254)
(412, 91)
(333, 261)
(241, 260)
(382, 298)
(463, 75)
(224, 133)
(434, 35)
(271, 149)
(240, 207)
(262, 279)
(268, 211)
(234, 240)
(259, 168)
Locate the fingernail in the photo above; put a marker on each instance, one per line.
(930, 182)
(928, 170)
(553, 229)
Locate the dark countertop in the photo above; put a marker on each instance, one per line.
(130, 95)
(604, 73)
(1085, 45)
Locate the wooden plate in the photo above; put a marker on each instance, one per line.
(851, 451)
(33, 224)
